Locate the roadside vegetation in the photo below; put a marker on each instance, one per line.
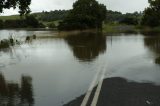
(26, 22)
(85, 15)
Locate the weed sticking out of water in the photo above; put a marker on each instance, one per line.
(7, 43)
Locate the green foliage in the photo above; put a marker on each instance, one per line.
(51, 19)
(12, 17)
(52, 15)
(129, 21)
(128, 18)
(113, 16)
(85, 14)
(31, 21)
(28, 22)
(51, 25)
(154, 4)
(23, 5)
(152, 14)
(119, 28)
(1, 24)
(131, 18)
(4, 43)
(47, 18)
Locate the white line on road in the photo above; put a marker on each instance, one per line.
(95, 80)
(96, 95)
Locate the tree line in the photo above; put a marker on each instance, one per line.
(27, 22)
(51, 15)
(86, 14)
(111, 16)
(127, 18)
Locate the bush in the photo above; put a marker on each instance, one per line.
(4, 43)
(51, 25)
(129, 21)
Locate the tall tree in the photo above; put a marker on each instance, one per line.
(152, 14)
(85, 14)
(23, 5)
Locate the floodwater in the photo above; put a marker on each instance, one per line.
(52, 71)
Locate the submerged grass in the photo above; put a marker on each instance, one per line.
(6, 43)
(149, 29)
(118, 28)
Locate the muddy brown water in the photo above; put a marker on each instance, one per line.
(53, 71)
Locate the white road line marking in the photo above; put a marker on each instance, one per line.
(97, 93)
(86, 98)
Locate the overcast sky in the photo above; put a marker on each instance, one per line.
(118, 5)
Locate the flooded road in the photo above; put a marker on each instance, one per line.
(54, 71)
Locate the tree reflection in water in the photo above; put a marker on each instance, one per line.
(87, 46)
(14, 94)
(153, 43)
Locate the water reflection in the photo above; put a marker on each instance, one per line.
(87, 46)
(153, 43)
(14, 94)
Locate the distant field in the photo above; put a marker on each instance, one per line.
(119, 28)
(12, 17)
(55, 22)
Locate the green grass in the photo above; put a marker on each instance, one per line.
(55, 22)
(12, 17)
(4, 44)
(150, 29)
(116, 28)
(119, 28)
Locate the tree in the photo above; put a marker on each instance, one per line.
(84, 15)
(130, 18)
(113, 16)
(23, 5)
(31, 21)
(1, 24)
(152, 14)
(51, 25)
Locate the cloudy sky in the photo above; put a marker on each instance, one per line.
(118, 5)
